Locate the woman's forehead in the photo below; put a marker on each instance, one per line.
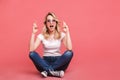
(50, 17)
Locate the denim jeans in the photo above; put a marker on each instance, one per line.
(51, 62)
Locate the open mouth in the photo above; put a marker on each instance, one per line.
(51, 26)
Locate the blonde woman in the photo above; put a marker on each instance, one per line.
(53, 63)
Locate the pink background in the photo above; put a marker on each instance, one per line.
(95, 33)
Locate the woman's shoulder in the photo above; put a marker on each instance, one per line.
(40, 36)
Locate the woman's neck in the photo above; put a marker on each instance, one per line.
(51, 32)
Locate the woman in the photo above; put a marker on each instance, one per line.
(53, 63)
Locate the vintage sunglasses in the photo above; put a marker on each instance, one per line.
(51, 20)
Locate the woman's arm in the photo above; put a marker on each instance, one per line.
(34, 44)
(67, 39)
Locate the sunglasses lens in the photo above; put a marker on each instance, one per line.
(51, 20)
(48, 20)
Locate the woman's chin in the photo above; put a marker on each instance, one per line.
(51, 30)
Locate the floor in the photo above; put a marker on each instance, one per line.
(78, 70)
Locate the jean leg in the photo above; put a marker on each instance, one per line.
(39, 63)
(63, 62)
(64, 67)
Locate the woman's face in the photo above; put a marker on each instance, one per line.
(51, 23)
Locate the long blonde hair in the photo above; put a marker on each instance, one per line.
(45, 31)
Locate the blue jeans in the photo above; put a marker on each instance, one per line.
(51, 62)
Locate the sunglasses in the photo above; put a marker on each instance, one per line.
(51, 20)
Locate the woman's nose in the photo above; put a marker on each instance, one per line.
(51, 22)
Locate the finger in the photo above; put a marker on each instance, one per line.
(35, 26)
(64, 23)
(35, 22)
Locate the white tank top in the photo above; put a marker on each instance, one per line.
(51, 47)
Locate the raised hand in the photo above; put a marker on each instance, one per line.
(35, 28)
(65, 27)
